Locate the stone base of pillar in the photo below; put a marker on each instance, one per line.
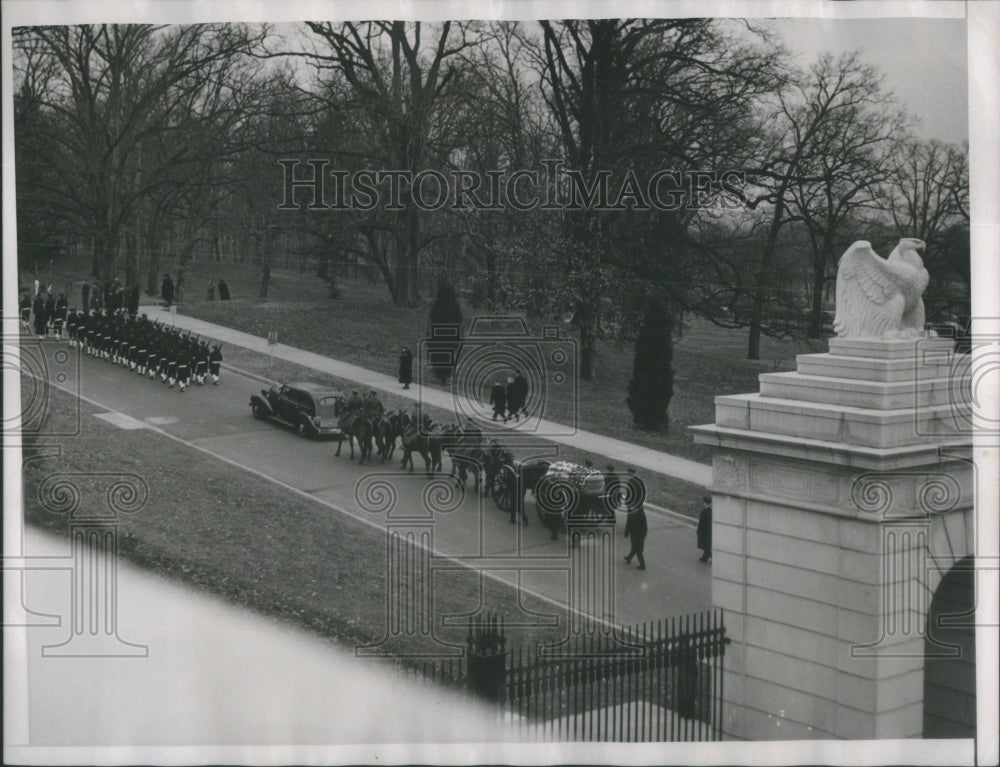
(834, 490)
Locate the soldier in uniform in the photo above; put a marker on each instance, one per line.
(373, 404)
(62, 307)
(201, 363)
(215, 363)
(24, 305)
(72, 323)
(183, 360)
(355, 403)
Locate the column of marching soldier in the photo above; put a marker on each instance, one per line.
(145, 347)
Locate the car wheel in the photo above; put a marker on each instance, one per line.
(257, 410)
(302, 429)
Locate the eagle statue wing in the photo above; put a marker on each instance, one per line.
(871, 293)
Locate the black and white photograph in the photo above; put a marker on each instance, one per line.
(664, 339)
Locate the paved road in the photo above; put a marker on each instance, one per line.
(622, 452)
(217, 420)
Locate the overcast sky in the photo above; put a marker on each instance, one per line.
(925, 62)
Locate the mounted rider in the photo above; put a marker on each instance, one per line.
(373, 405)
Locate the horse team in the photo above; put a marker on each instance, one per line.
(471, 454)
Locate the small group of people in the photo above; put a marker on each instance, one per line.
(45, 316)
(637, 528)
(145, 347)
(111, 297)
(510, 401)
(370, 404)
(223, 290)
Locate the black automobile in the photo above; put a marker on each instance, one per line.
(311, 409)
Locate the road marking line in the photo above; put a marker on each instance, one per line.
(121, 420)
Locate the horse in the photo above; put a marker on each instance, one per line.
(465, 447)
(362, 431)
(412, 440)
(385, 436)
(354, 425)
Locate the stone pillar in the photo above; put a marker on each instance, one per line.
(830, 487)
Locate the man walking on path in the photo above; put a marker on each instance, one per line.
(636, 526)
(405, 368)
(498, 398)
(517, 395)
(85, 291)
(223, 290)
(705, 530)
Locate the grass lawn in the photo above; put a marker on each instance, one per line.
(215, 526)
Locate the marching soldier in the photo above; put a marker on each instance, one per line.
(201, 363)
(215, 363)
(50, 313)
(62, 306)
(72, 323)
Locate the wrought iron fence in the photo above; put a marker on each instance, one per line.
(659, 681)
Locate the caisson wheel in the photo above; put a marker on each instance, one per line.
(503, 488)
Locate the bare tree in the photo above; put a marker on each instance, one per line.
(125, 107)
(402, 78)
(834, 92)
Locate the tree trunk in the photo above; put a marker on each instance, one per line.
(131, 264)
(588, 341)
(265, 278)
(816, 310)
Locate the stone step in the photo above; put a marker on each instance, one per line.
(874, 395)
(877, 370)
(891, 349)
(840, 424)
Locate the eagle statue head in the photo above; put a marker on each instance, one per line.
(908, 250)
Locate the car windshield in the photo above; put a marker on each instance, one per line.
(326, 405)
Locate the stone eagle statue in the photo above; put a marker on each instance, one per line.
(879, 297)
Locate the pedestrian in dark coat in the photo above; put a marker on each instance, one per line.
(133, 301)
(498, 398)
(85, 290)
(705, 530)
(96, 300)
(167, 290)
(636, 526)
(38, 310)
(520, 402)
(223, 290)
(405, 368)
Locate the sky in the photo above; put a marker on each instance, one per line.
(925, 62)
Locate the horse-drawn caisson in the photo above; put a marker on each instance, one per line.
(563, 492)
